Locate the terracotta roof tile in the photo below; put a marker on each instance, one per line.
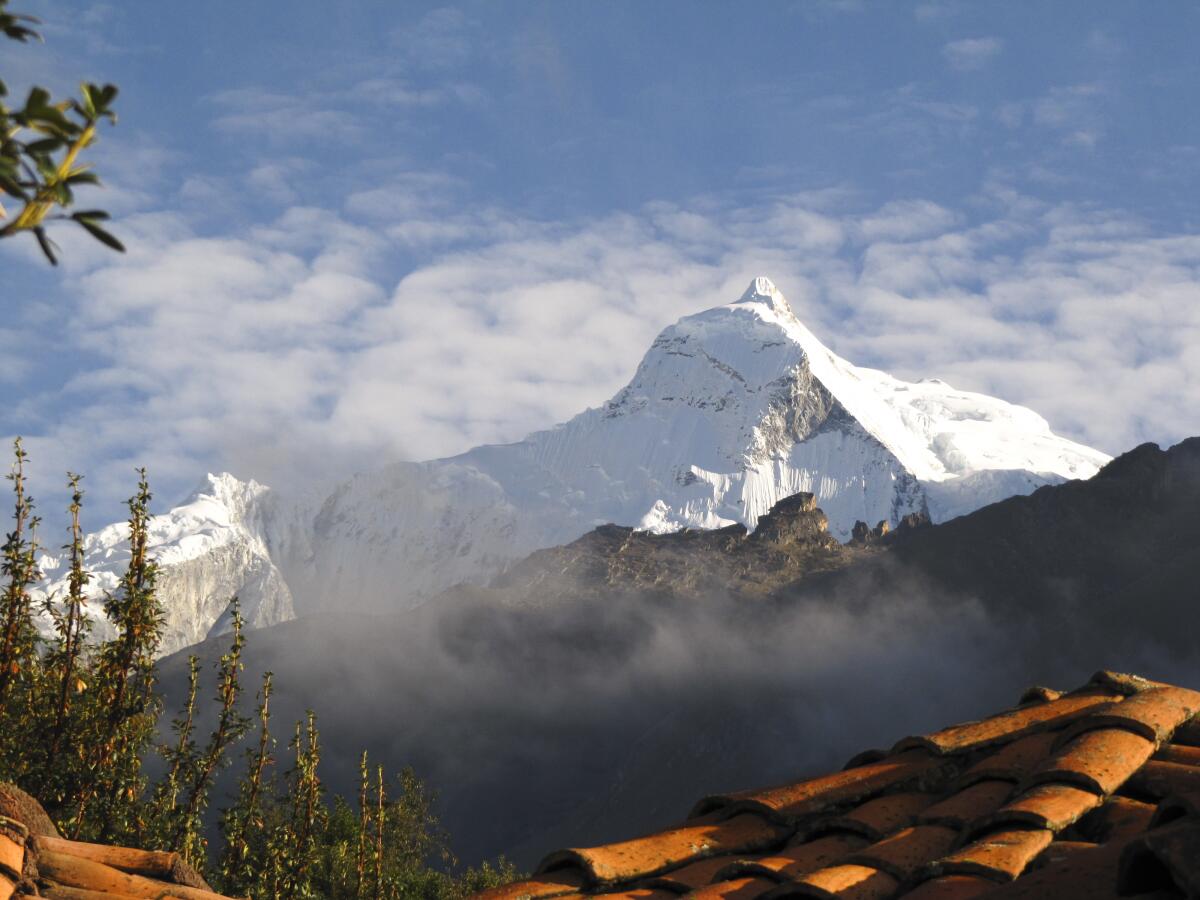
(847, 882)
(735, 889)
(34, 861)
(1099, 761)
(1081, 876)
(906, 851)
(1038, 801)
(656, 853)
(1013, 761)
(797, 859)
(552, 884)
(1038, 694)
(692, 876)
(1123, 683)
(1160, 780)
(638, 894)
(1011, 724)
(881, 816)
(1155, 713)
(968, 805)
(801, 798)
(1000, 855)
(1179, 753)
(1061, 851)
(1188, 733)
(1053, 806)
(12, 848)
(1117, 819)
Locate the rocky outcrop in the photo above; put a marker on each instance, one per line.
(863, 534)
(795, 519)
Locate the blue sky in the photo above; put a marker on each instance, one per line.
(379, 230)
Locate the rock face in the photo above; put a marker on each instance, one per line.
(730, 411)
(209, 549)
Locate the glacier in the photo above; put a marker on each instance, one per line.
(729, 411)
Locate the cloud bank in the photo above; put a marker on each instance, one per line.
(288, 346)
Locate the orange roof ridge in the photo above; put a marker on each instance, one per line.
(1063, 795)
(39, 864)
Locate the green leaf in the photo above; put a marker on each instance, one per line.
(44, 145)
(10, 187)
(101, 235)
(47, 245)
(89, 105)
(96, 215)
(83, 178)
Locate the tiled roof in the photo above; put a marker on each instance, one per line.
(35, 863)
(1094, 793)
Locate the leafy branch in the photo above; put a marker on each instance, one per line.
(40, 145)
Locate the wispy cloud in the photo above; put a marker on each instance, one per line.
(257, 351)
(443, 38)
(968, 54)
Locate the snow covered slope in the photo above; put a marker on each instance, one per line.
(729, 411)
(209, 549)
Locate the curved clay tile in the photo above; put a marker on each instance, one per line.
(1021, 805)
(797, 859)
(907, 851)
(690, 877)
(1038, 694)
(1099, 761)
(1155, 713)
(1002, 855)
(737, 889)
(968, 805)
(846, 882)
(655, 853)
(1088, 875)
(1160, 780)
(540, 887)
(880, 816)
(1188, 733)
(1179, 753)
(1119, 818)
(1014, 760)
(791, 801)
(1010, 725)
(1053, 806)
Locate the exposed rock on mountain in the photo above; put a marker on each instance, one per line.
(730, 411)
(587, 694)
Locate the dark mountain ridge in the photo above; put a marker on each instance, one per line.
(599, 687)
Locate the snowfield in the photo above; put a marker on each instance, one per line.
(729, 411)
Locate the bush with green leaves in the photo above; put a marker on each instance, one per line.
(81, 720)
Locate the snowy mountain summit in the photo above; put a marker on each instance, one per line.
(730, 410)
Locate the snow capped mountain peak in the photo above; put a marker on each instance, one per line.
(730, 410)
(761, 289)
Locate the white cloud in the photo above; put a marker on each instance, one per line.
(968, 54)
(283, 348)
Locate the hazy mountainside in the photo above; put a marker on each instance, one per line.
(601, 687)
(730, 410)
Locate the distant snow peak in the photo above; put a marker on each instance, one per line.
(730, 411)
(762, 290)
